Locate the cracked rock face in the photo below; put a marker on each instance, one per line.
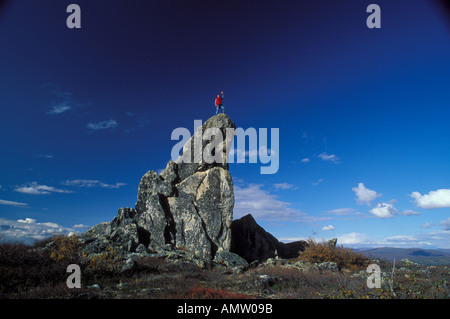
(188, 205)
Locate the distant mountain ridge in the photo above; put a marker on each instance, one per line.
(432, 257)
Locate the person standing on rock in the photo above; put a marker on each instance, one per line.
(218, 103)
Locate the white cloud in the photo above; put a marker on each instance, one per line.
(28, 230)
(364, 240)
(284, 186)
(409, 212)
(11, 203)
(89, 183)
(400, 239)
(405, 241)
(262, 205)
(81, 226)
(50, 224)
(62, 100)
(342, 211)
(387, 210)
(305, 160)
(440, 239)
(434, 199)
(365, 195)
(36, 189)
(353, 239)
(329, 157)
(445, 223)
(320, 180)
(47, 156)
(110, 124)
(328, 228)
(426, 225)
(27, 221)
(384, 210)
(347, 213)
(58, 109)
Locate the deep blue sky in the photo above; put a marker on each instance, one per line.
(86, 112)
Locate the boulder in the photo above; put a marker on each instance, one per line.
(230, 260)
(331, 243)
(328, 266)
(252, 242)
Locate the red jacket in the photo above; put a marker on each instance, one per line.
(218, 101)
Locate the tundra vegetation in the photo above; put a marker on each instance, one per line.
(321, 271)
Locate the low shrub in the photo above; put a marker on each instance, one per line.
(23, 268)
(147, 264)
(110, 261)
(65, 249)
(318, 252)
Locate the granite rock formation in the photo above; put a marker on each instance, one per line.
(189, 205)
